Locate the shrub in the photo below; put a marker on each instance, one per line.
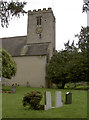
(59, 86)
(77, 86)
(32, 99)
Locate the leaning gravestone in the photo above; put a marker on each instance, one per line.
(13, 89)
(68, 98)
(58, 102)
(47, 100)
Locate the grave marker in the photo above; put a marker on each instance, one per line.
(58, 102)
(47, 100)
(13, 89)
(68, 98)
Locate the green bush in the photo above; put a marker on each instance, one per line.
(77, 86)
(59, 86)
(70, 86)
(32, 100)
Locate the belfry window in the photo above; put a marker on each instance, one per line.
(39, 20)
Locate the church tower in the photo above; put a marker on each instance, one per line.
(41, 28)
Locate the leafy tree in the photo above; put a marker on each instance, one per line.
(10, 9)
(83, 45)
(8, 65)
(69, 65)
(79, 62)
(58, 68)
(77, 67)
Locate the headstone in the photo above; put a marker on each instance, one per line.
(47, 100)
(58, 102)
(3, 82)
(68, 98)
(27, 84)
(13, 89)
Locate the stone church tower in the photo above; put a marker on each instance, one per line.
(33, 52)
(41, 28)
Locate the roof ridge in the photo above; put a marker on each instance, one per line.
(14, 37)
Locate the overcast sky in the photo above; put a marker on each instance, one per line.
(69, 19)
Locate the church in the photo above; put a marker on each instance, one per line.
(33, 52)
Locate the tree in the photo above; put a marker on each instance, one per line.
(10, 9)
(69, 65)
(8, 65)
(77, 67)
(83, 46)
(58, 68)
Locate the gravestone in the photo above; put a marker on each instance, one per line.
(3, 82)
(47, 101)
(13, 89)
(27, 84)
(68, 98)
(58, 102)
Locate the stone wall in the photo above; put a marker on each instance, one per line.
(30, 69)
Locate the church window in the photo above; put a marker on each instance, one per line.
(39, 20)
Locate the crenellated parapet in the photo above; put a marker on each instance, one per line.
(40, 11)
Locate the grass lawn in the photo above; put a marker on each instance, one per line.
(12, 105)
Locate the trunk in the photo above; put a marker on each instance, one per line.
(63, 84)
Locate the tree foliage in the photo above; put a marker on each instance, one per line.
(71, 64)
(85, 6)
(10, 9)
(83, 37)
(83, 45)
(57, 68)
(8, 65)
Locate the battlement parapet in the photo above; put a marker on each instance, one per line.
(39, 10)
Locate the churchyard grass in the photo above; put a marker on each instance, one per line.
(12, 104)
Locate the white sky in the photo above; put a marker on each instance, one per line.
(69, 19)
